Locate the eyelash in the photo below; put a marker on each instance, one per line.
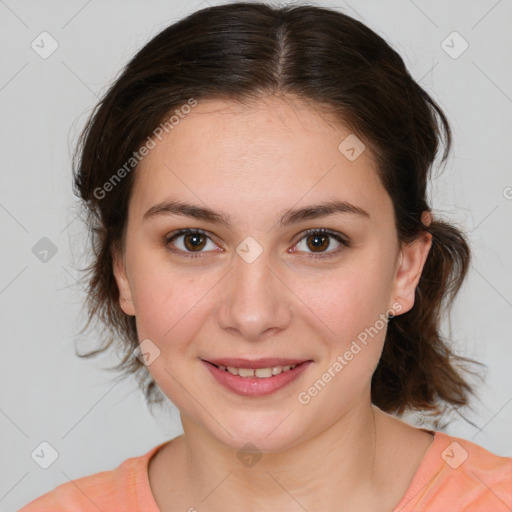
(344, 243)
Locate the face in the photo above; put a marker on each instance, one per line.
(251, 266)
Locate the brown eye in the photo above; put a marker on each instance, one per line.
(189, 241)
(319, 241)
(193, 241)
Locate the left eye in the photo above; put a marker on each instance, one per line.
(194, 241)
(319, 240)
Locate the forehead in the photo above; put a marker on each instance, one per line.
(258, 122)
(277, 150)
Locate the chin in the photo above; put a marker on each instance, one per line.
(259, 432)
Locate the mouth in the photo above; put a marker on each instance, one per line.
(256, 377)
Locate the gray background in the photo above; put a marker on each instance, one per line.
(94, 422)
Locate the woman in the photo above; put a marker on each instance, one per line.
(255, 183)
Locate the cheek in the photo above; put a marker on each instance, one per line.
(170, 313)
(354, 310)
(351, 316)
(168, 303)
(346, 302)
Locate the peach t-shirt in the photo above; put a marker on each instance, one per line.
(455, 475)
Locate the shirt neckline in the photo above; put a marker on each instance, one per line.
(424, 473)
(145, 498)
(421, 476)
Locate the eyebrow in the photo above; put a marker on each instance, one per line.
(290, 217)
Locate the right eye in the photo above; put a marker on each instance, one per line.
(189, 241)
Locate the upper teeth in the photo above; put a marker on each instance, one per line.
(262, 373)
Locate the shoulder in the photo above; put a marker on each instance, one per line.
(123, 488)
(457, 474)
(86, 492)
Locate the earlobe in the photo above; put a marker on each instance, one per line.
(412, 260)
(123, 285)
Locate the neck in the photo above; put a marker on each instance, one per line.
(346, 455)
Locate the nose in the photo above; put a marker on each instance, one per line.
(256, 302)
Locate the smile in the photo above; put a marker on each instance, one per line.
(255, 378)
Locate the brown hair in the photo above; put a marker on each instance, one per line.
(244, 51)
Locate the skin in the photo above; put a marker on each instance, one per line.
(254, 163)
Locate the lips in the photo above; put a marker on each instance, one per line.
(256, 386)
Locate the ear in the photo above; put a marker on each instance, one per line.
(123, 285)
(413, 258)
